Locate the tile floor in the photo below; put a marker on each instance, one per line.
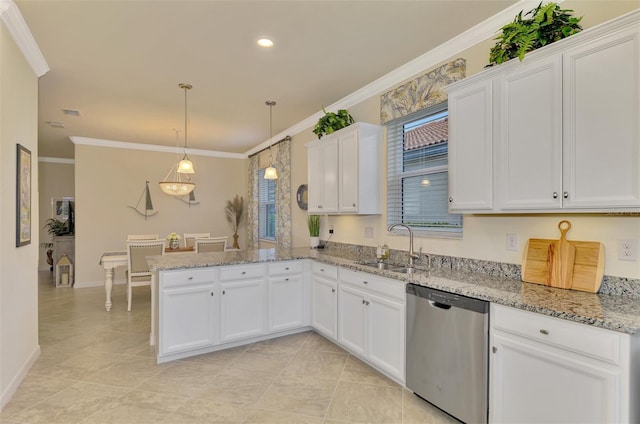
(97, 367)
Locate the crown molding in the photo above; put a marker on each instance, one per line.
(152, 147)
(480, 32)
(17, 27)
(64, 161)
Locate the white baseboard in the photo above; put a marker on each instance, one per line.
(17, 380)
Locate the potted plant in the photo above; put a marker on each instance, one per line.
(313, 222)
(174, 240)
(540, 26)
(331, 122)
(56, 227)
(234, 210)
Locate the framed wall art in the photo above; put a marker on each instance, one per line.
(23, 196)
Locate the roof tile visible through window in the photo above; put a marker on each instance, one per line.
(431, 133)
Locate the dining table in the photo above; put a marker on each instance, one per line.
(113, 259)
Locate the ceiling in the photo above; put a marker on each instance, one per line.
(119, 63)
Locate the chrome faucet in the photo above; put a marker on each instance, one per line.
(412, 255)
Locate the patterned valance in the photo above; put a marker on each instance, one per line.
(421, 92)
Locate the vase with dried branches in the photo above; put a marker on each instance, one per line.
(234, 211)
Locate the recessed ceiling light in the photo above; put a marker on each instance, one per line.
(265, 42)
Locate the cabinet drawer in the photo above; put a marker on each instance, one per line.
(594, 342)
(187, 276)
(381, 285)
(329, 271)
(241, 272)
(285, 268)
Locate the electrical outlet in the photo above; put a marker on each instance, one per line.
(628, 249)
(512, 242)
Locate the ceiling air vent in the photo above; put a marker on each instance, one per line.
(54, 124)
(71, 112)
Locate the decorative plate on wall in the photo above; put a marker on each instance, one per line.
(301, 197)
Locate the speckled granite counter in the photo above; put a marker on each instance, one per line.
(616, 313)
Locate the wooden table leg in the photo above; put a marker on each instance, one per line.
(108, 286)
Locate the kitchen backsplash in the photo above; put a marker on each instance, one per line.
(611, 285)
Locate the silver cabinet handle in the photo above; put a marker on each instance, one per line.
(286, 269)
(565, 194)
(363, 301)
(224, 292)
(365, 282)
(545, 332)
(450, 199)
(354, 205)
(319, 206)
(211, 293)
(333, 290)
(190, 278)
(286, 279)
(555, 194)
(494, 349)
(366, 302)
(244, 272)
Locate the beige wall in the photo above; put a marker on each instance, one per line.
(484, 236)
(107, 180)
(55, 180)
(18, 265)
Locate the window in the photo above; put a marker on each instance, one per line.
(267, 207)
(418, 185)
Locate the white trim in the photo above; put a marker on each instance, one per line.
(16, 381)
(19, 30)
(152, 147)
(484, 30)
(57, 160)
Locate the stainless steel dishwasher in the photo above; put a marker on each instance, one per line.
(447, 351)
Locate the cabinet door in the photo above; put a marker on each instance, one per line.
(471, 148)
(385, 335)
(286, 302)
(242, 307)
(602, 129)
(529, 169)
(324, 303)
(348, 163)
(323, 176)
(533, 383)
(352, 320)
(189, 318)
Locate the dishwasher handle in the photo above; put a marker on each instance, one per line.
(435, 304)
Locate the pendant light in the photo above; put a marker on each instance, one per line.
(270, 173)
(176, 186)
(185, 166)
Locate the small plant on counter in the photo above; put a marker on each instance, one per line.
(547, 23)
(331, 122)
(313, 221)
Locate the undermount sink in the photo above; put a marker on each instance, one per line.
(403, 269)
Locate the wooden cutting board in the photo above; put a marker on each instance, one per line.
(588, 264)
(561, 257)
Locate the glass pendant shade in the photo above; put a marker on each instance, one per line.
(270, 173)
(186, 166)
(176, 186)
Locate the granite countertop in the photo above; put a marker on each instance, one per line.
(617, 313)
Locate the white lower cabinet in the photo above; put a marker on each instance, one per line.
(549, 370)
(188, 311)
(242, 309)
(371, 320)
(288, 297)
(324, 299)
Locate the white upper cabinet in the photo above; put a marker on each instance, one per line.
(344, 171)
(602, 122)
(565, 134)
(529, 143)
(471, 147)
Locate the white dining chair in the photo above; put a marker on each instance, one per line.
(190, 238)
(138, 273)
(211, 244)
(132, 237)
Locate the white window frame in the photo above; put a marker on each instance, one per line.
(396, 175)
